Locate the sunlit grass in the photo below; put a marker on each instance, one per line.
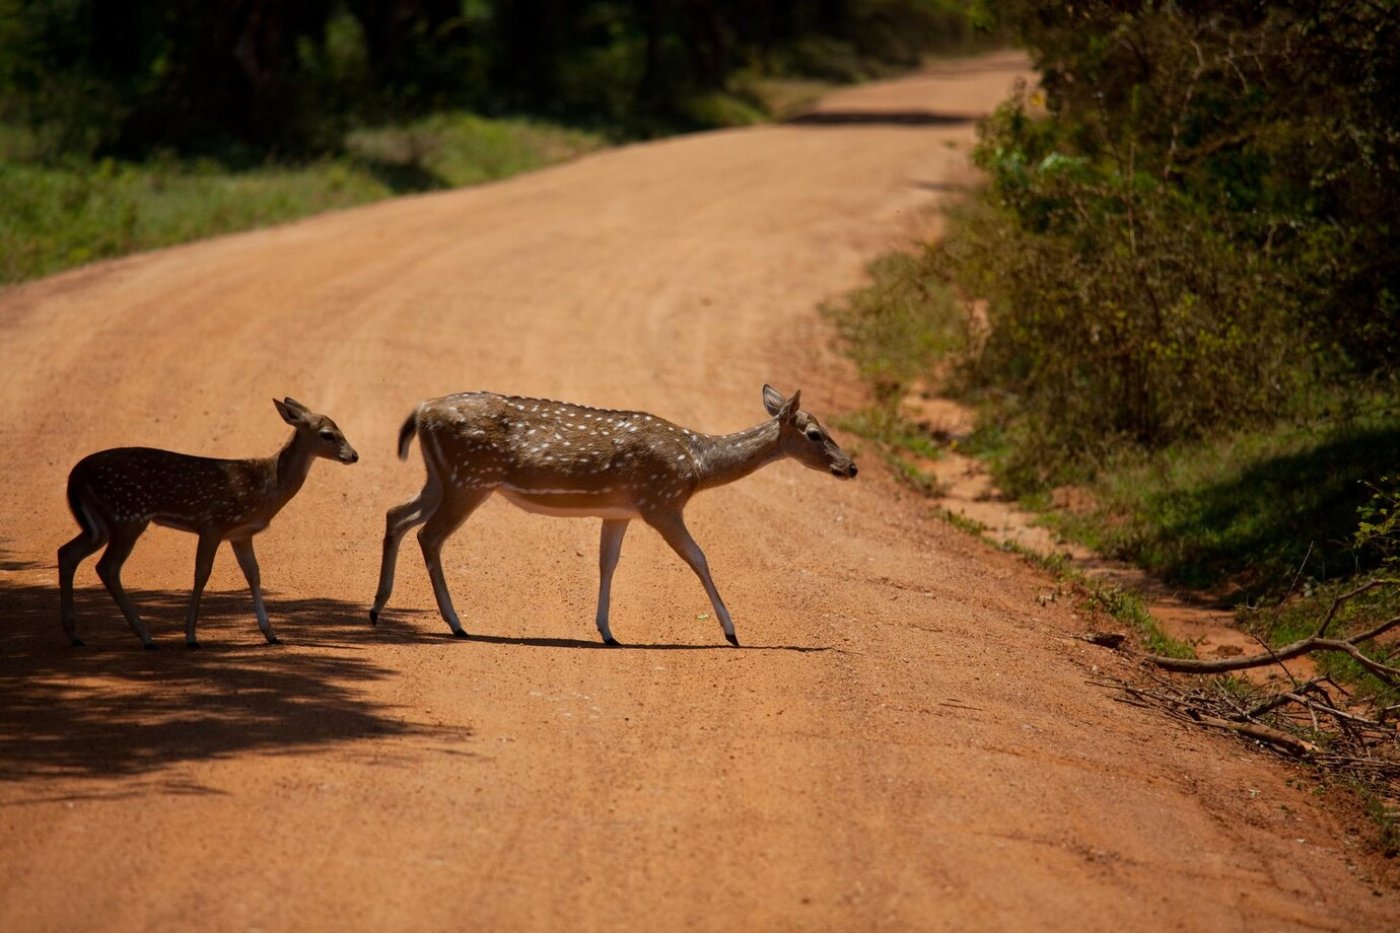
(56, 217)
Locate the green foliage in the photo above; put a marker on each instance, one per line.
(1254, 509)
(449, 150)
(290, 76)
(1118, 310)
(1298, 618)
(1190, 231)
(57, 217)
(897, 328)
(900, 325)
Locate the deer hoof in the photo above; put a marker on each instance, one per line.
(274, 640)
(460, 633)
(732, 639)
(192, 644)
(374, 617)
(77, 642)
(612, 642)
(149, 645)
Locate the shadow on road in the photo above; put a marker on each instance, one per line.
(115, 709)
(881, 118)
(636, 646)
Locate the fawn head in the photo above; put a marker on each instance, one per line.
(319, 433)
(803, 438)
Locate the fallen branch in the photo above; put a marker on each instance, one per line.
(1300, 747)
(1312, 643)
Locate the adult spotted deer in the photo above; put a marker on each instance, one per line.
(572, 461)
(115, 494)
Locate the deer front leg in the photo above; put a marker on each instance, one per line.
(608, 551)
(671, 526)
(203, 564)
(243, 550)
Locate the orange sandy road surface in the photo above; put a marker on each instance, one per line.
(907, 741)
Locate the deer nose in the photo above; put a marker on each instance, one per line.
(852, 473)
(351, 457)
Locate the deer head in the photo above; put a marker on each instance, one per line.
(803, 438)
(318, 433)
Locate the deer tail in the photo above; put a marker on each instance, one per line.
(410, 427)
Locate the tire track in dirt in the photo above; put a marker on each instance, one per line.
(910, 742)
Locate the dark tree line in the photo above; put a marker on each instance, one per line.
(123, 76)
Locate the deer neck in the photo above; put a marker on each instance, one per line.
(293, 462)
(724, 458)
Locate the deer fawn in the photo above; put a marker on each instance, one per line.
(553, 458)
(115, 494)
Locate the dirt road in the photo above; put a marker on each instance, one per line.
(908, 741)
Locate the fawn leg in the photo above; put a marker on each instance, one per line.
(243, 550)
(203, 564)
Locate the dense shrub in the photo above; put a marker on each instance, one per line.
(1190, 225)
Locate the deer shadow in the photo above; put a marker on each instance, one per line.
(113, 709)
(539, 642)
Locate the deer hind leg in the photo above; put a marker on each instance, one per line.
(608, 551)
(243, 550)
(454, 508)
(671, 527)
(203, 564)
(109, 568)
(70, 555)
(397, 523)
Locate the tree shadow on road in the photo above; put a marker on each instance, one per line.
(114, 709)
(922, 118)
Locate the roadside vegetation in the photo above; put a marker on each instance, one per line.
(63, 214)
(1178, 295)
(1179, 288)
(131, 126)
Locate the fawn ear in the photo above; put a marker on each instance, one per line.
(291, 410)
(772, 400)
(791, 407)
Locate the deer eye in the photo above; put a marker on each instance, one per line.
(814, 434)
(328, 435)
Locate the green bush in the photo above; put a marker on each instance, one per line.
(1190, 230)
(1118, 309)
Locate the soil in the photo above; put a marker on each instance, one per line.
(912, 737)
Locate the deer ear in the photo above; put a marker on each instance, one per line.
(788, 413)
(772, 400)
(290, 410)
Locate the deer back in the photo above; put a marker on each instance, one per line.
(529, 445)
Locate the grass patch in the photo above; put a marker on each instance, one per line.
(900, 326)
(1297, 618)
(60, 216)
(1118, 603)
(898, 441)
(1252, 510)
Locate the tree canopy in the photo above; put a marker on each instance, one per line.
(288, 75)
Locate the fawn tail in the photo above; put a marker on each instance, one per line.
(410, 427)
